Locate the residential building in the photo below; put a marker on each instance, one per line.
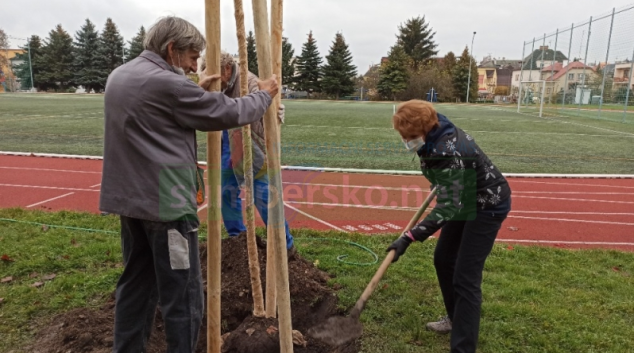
(534, 63)
(494, 73)
(566, 77)
(8, 80)
(487, 80)
(623, 75)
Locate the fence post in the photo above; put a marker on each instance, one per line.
(552, 67)
(585, 60)
(530, 68)
(607, 57)
(519, 93)
(563, 101)
(629, 87)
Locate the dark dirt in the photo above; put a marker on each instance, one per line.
(312, 301)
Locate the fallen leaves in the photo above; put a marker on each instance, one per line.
(37, 284)
(298, 339)
(44, 228)
(1, 300)
(6, 279)
(250, 331)
(510, 247)
(513, 229)
(271, 330)
(49, 277)
(6, 258)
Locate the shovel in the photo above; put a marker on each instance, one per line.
(339, 330)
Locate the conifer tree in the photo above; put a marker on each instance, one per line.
(339, 72)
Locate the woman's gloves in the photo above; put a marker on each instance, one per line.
(401, 244)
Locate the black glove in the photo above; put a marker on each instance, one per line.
(400, 245)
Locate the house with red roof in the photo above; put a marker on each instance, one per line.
(559, 77)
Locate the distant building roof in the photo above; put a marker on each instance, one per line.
(557, 67)
(571, 66)
(489, 62)
(542, 54)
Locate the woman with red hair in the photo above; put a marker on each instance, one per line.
(473, 199)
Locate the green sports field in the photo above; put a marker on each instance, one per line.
(351, 134)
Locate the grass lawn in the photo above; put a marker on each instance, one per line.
(351, 134)
(535, 299)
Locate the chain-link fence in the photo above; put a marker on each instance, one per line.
(585, 69)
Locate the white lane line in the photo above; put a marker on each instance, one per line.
(48, 187)
(572, 220)
(568, 122)
(51, 170)
(566, 199)
(570, 184)
(202, 207)
(315, 218)
(326, 204)
(379, 227)
(94, 186)
(470, 131)
(562, 242)
(51, 199)
(578, 213)
(350, 228)
(379, 187)
(366, 228)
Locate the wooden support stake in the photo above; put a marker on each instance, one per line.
(277, 21)
(276, 46)
(214, 216)
(252, 247)
(276, 204)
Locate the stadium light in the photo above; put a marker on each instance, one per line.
(471, 55)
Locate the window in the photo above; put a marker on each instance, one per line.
(581, 77)
(547, 90)
(517, 77)
(571, 76)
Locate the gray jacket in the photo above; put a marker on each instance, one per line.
(151, 118)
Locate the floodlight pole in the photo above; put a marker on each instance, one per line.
(471, 55)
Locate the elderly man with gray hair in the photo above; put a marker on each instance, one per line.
(150, 178)
(232, 157)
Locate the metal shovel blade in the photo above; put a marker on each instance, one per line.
(337, 330)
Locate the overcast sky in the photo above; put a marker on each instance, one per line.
(369, 26)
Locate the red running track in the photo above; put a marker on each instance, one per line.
(568, 213)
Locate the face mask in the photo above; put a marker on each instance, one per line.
(232, 79)
(414, 145)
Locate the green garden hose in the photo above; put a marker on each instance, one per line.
(340, 258)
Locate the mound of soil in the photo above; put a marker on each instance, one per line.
(312, 301)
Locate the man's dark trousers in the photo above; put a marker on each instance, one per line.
(161, 265)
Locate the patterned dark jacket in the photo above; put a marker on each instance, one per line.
(465, 178)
